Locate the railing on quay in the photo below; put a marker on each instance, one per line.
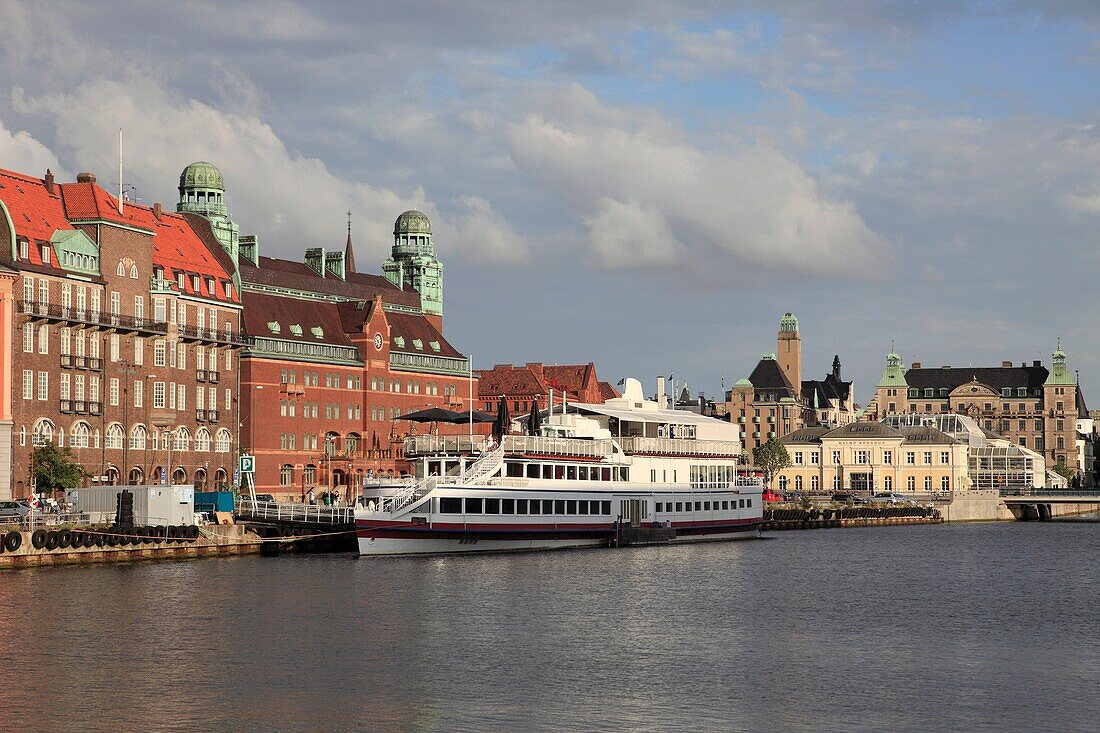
(1074, 493)
(314, 513)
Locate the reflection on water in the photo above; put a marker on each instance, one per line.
(967, 627)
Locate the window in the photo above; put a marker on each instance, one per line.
(888, 483)
(28, 384)
(158, 395)
(862, 457)
(158, 353)
(133, 272)
(28, 337)
(138, 396)
(945, 483)
(910, 458)
(113, 392)
(945, 457)
(43, 386)
(286, 475)
(798, 458)
(43, 339)
(836, 458)
(911, 483)
(221, 442)
(888, 457)
(928, 458)
(927, 483)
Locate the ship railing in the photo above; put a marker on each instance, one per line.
(453, 444)
(318, 513)
(681, 447)
(414, 491)
(485, 466)
(541, 445)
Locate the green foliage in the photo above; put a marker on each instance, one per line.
(1065, 472)
(771, 458)
(56, 469)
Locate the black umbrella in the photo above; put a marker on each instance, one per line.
(501, 424)
(435, 414)
(481, 417)
(534, 420)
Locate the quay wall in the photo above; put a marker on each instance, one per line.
(216, 541)
(987, 506)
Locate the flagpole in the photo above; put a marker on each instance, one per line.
(470, 372)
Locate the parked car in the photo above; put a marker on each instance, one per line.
(845, 498)
(14, 509)
(889, 497)
(265, 497)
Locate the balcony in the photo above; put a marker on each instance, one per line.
(95, 408)
(293, 389)
(66, 407)
(50, 312)
(200, 375)
(194, 333)
(212, 415)
(200, 415)
(214, 377)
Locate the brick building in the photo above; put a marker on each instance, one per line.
(338, 356)
(127, 324)
(775, 401)
(532, 383)
(1031, 406)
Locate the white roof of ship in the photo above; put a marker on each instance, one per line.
(678, 417)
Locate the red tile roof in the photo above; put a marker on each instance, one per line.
(413, 327)
(261, 308)
(297, 275)
(35, 212)
(505, 379)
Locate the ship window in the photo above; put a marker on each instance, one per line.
(547, 506)
(582, 507)
(605, 508)
(473, 506)
(605, 474)
(492, 506)
(582, 473)
(748, 503)
(725, 506)
(706, 506)
(679, 506)
(532, 470)
(547, 470)
(515, 470)
(559, 505)
(507, 506)
(559, 472)
(571, 507)
(698, 506)
(741, 503)
(624, 473)
(571, 473)
(521, 506)
(536, 505)
(450, 505)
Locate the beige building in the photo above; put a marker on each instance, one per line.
(1031, 406)
(907, 454)
(775, 401)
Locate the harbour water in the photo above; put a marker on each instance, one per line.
(979, 627)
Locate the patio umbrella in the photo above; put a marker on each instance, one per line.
(500, 425)
(534, 420)
(480, 417)
(435, 414)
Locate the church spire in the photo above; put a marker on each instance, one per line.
(349, 253)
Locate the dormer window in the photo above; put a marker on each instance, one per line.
(434, 345)
(229, 290)
(24, 250)
(399, 341)
(46, 254)
(317, 332)
(210, 286)
(181, 281)
(296, 329)
(418, 344)
(195, 283)
(273, 326)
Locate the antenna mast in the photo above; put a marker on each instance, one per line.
(120, 189)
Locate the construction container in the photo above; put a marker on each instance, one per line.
(152, 504)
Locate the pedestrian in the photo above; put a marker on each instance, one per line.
(312, 498)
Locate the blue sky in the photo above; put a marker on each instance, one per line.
(647, 185)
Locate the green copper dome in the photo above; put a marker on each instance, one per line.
(412, 222)
(201, 175)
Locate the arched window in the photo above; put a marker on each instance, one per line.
(798, 483)
(133, 272)
(221, 442)
(183, 439)
(351, 442)
(115, 436)
(121, 271)
(137, 437)
(332, 441)
(42, 433)
(286, 475)
(309, 476)
(79, 435)
(202, 440)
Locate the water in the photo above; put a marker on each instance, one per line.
(961, 627)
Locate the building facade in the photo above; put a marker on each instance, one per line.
(533, 383)
(774, 401)
(127, 324)
(337, 357)
(1031, 406)
(907, 454)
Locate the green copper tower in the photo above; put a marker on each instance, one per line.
(413, 261)
(202, 191)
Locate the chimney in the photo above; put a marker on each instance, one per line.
(535, 367)
(1006, 364)
(916, 365)
(157, 210)
(48, 180)
(1036, 363)
(315, 260)
(85, 178)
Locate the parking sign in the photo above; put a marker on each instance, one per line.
(248, 464)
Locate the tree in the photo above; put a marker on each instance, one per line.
(1065, 472)
(56, 469)
(771, 458)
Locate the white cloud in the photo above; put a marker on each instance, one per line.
(19, 151)
(290, 200)
(703, 208)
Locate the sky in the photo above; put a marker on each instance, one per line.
(647, 185)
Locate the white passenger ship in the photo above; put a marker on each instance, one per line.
(628, 465)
